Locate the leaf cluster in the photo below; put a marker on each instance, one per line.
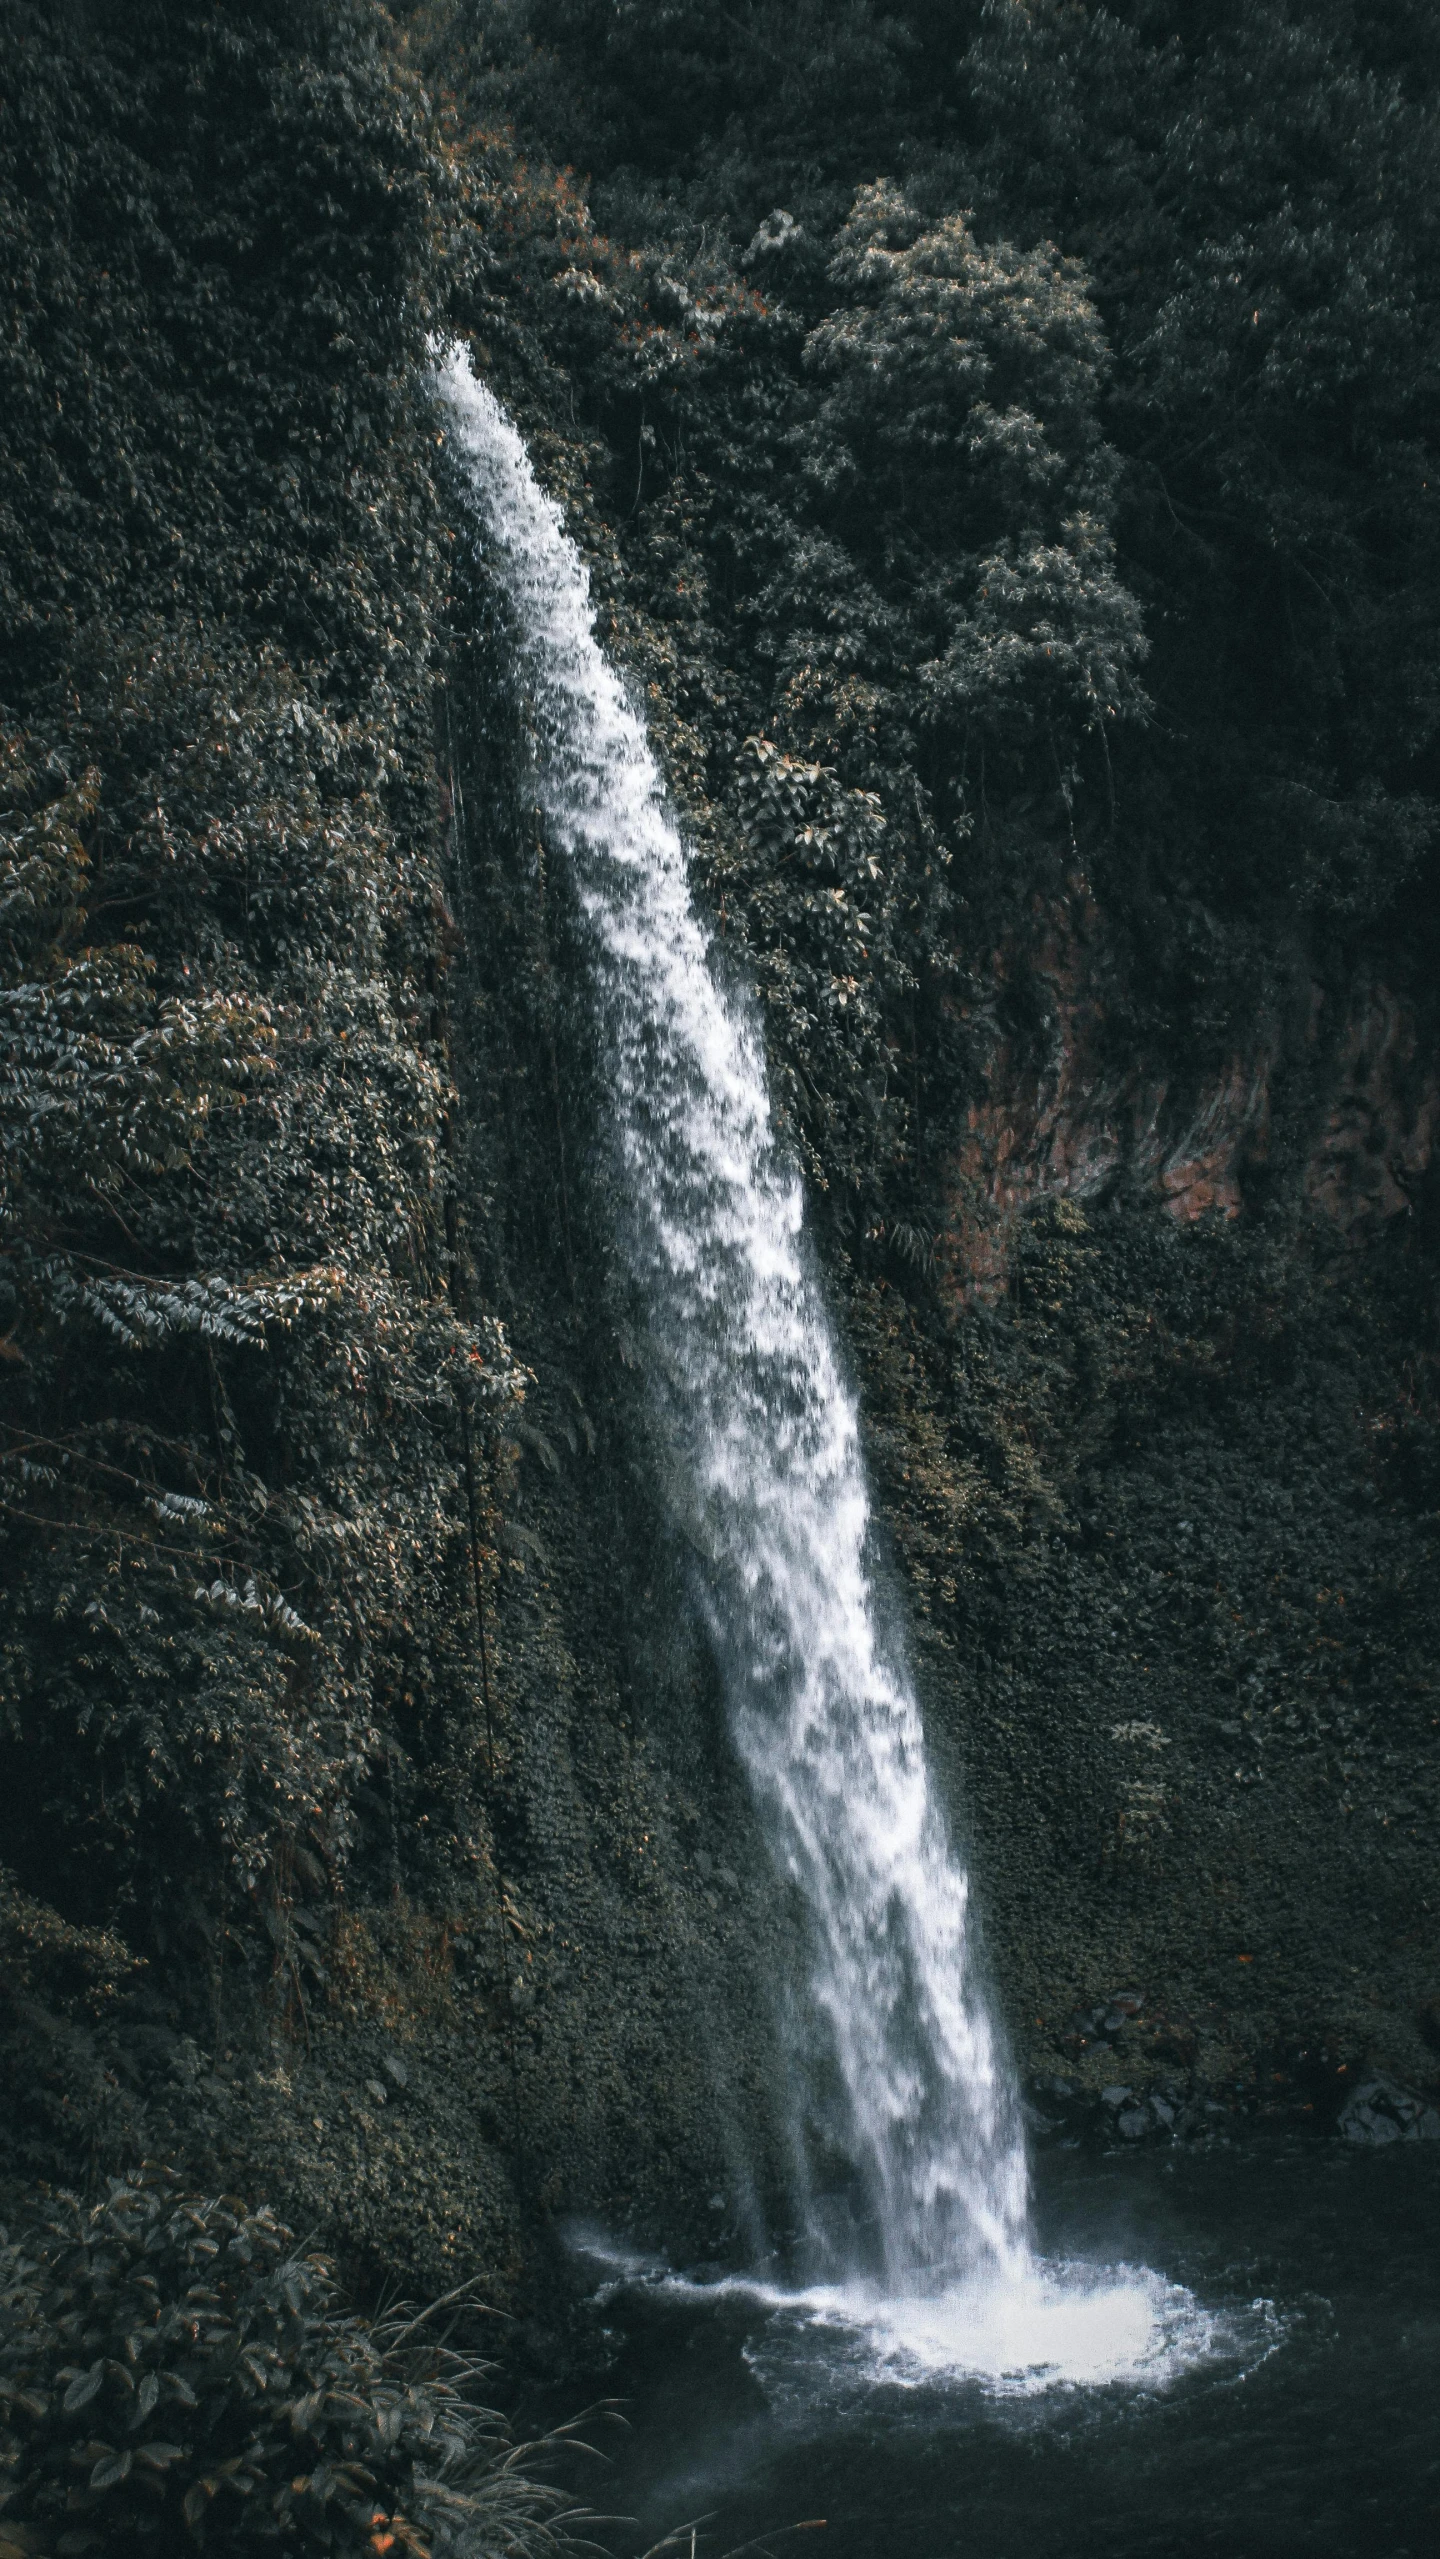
(802, 879)
(175, 2372)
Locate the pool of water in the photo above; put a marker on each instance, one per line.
(1232, 2349)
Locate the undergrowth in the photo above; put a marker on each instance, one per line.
(177, 2371)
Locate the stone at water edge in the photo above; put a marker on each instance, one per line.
(1380, 2111)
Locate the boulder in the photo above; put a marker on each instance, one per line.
(1380, 2111)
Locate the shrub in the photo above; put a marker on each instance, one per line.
(175, 2372)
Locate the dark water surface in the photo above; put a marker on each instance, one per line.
(1297, 2410)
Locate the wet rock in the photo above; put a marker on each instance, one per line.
(1380, 2111)
(1052, 2105)
(1122, 2008)
(1037, 2121)
(1109, 2018)
(1135, 2117)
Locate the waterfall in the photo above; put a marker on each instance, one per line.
(743, 1365)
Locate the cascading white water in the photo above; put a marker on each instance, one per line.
(743, 1361)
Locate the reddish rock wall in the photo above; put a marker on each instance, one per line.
(1063, 1117)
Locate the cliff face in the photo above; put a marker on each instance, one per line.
(372, 1837)
(1201, 1678)
(1072, 1111)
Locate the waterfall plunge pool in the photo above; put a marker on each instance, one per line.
(1274, 2395)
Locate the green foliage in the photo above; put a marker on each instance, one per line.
(1256, 208)
(234, 1326)
(209, 215)
(176, 2373)
(803, 875)
(960, 441)
(1244, 210)
(716, 105)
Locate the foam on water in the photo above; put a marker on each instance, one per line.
(1054, 2326)
(1059, 2325)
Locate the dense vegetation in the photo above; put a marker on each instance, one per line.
(925, 492)
(234, 1332)
(1003, 438)
(175, 2369)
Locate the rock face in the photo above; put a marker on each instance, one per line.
(1078, 1106)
